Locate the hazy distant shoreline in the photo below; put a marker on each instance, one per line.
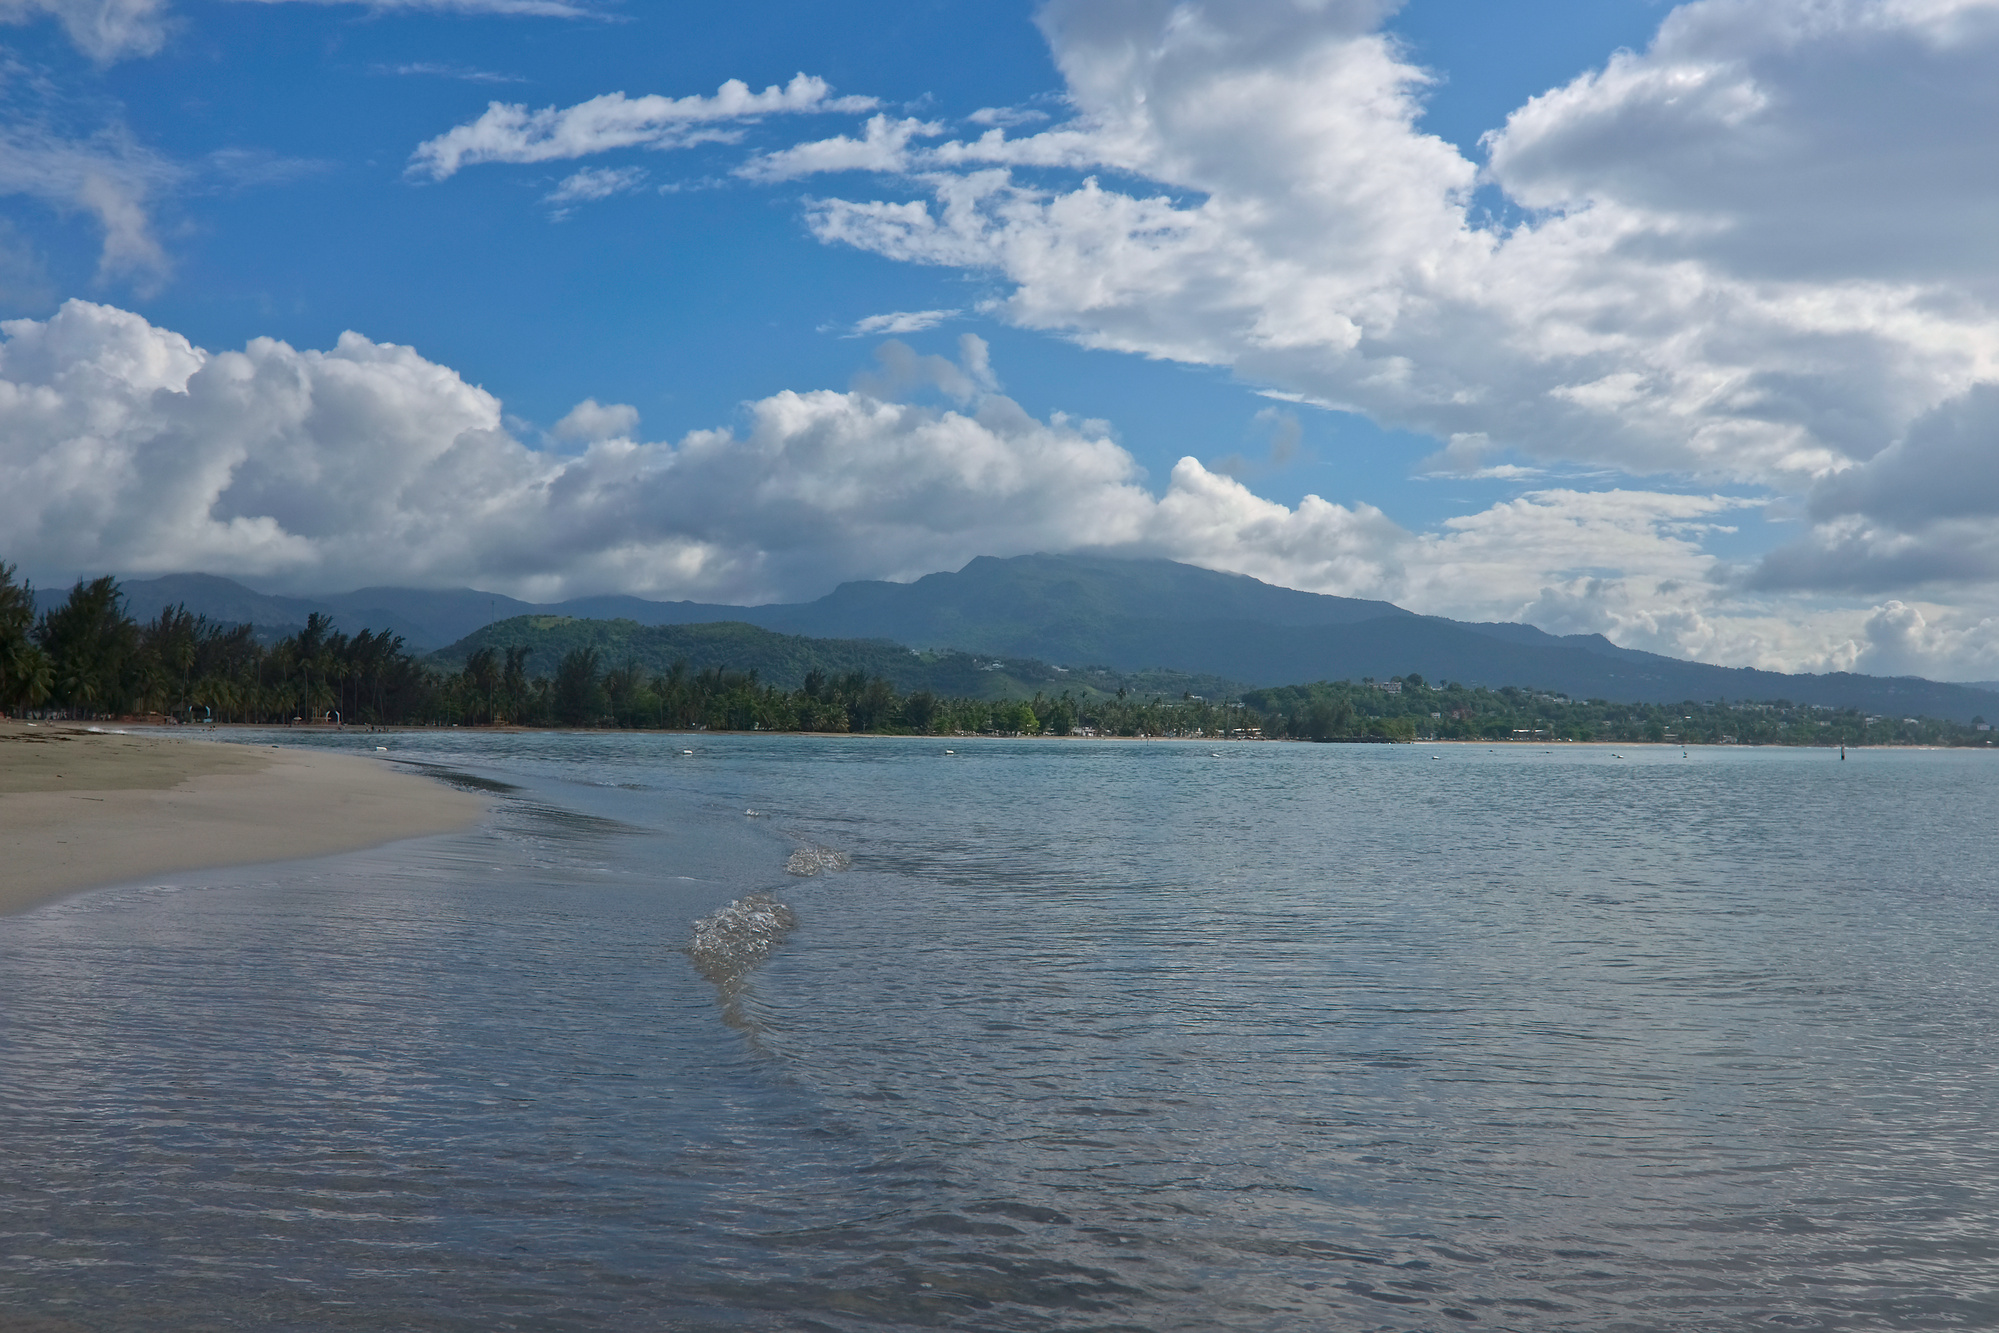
(223, 728)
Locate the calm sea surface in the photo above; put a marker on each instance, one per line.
(1066, 1035)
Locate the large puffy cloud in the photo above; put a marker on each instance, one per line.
(1820, 142)
(1923, 512)
(1756, 251)
(123, 447)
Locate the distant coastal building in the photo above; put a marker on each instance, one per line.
(1389, 686)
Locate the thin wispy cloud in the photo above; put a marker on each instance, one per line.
(901, 321)
(510, 132)
(246, 168)
(882, 146)
(591, 184)
(107, 176)
(524, 8)
(113, 30)
(1007, 117)
(461, 73)
(103, 30)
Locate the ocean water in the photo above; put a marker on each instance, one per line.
(744, 1032)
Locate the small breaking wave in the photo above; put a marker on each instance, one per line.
(730, 942)
(809, 861)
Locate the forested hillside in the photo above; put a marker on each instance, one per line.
(785, 660)
(85, 657)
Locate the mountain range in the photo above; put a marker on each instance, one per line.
(1127, 615)
(784, 660)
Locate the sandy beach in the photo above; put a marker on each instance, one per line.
(81, 809)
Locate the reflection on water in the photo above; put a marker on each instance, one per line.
(1087, 1035)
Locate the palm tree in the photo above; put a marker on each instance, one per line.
(25, 674)
(93, 647)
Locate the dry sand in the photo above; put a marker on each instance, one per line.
(79, 809)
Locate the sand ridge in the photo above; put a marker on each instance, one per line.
(81, 808)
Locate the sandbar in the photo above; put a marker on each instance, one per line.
(84, 808)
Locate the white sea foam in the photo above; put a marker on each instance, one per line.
(729, 943)
(809, 861)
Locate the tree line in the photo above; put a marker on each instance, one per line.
(1409, 707)
(87, 658)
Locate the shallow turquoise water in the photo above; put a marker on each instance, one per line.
(1089, 1035)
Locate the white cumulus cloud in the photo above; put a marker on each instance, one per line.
(125, 448)
(592, 420)
(1757, 251)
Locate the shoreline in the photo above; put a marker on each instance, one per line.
(84, 808)
(221, 729)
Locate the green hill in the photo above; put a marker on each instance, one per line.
(784, 660)
(1176, 627)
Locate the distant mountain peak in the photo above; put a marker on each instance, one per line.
(1093, 608)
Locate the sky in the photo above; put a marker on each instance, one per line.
(1675, 323)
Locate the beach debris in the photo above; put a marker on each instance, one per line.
(809, 861)
(731, 941)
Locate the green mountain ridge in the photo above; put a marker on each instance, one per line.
(784, 660)
(1133, 617)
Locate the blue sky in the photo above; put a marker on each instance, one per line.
(684, 305)
(1625, 347)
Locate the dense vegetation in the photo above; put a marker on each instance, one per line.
(786, 660)
(87, 658)
(1414, 708)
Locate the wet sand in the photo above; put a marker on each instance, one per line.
(80, 809)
